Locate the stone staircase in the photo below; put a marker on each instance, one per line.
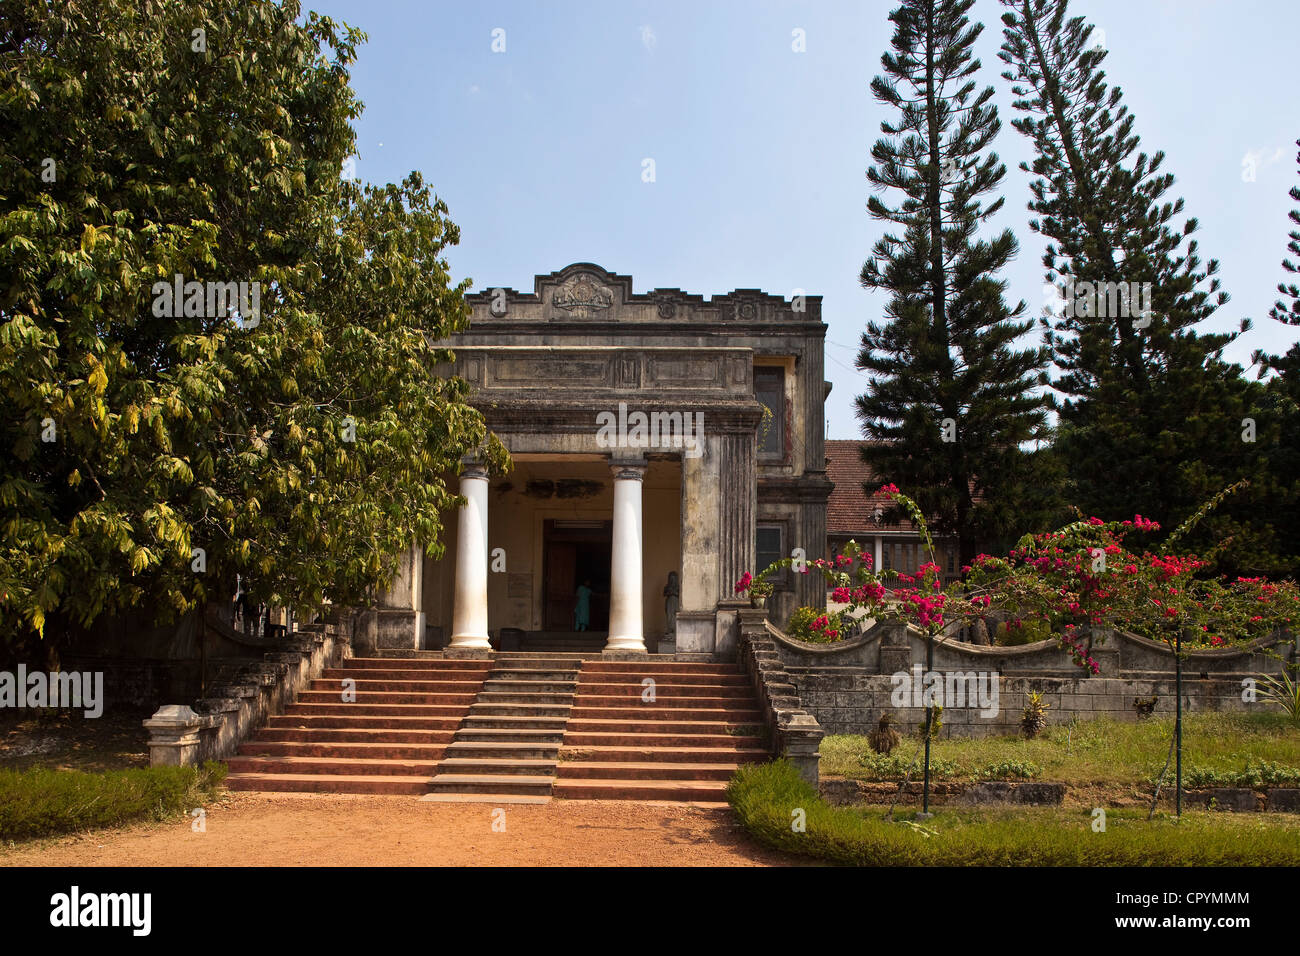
(658, 729)
(520, 728)
(389, 740)
(508, 745)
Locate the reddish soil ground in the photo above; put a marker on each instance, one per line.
(262, 829)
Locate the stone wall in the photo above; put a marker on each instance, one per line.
(848, 686)
(212, 729)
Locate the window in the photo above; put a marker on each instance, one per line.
(769, 389)
(768, 548)
(950, 561)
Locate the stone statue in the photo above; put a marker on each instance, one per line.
(672, 601)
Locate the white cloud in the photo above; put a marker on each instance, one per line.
(648, 38)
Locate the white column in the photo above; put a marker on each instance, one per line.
(625, 624)
(469, 616)
(877, 555)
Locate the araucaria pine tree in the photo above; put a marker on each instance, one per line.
(1153, 420)
(1281, 311)
(951, 399)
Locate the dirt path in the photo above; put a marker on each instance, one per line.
(261, 829)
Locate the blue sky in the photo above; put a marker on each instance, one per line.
(760, 152)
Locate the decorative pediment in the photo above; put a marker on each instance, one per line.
(582, 295)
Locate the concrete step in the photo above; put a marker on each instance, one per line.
(529, 766)
(508, 735)
(495, 685)
(651, 726)
(534, 784)
(556, 673)
(526, 749)
(511, 721)
(517, 709)
(323, 783)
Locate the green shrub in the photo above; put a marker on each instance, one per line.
(1256, 773)
(1022, 631)
(800, 626)
(767, 799)
(40, 802)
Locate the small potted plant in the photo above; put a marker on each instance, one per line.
(758, 588)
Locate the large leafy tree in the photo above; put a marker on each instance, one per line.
(148, 457)
(951, 398)
(1153, 421)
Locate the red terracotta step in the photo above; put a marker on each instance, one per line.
(311, 708)
(362, 721)
(349, 766)
(664, 690)
(323, 783)
(656, 771)
(260, 747)
(418, 664)
(400, 685)
(665, 740)
(327, 735)
(727, 715)
(634, 754)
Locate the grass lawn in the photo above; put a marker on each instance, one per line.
(1098, 753)
(782, 811)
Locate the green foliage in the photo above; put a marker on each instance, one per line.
(951, 399)
(303, 453)
(40, 802)
(803, 625)
(1282, 690)
(1033, 718)
(1020, 631)
(767, 798)
(1254, 773)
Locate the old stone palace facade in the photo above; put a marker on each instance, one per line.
(663, 444)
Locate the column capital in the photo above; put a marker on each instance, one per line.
(473, 470)
(627, 470)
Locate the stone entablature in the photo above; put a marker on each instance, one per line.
(585, 293)
(665, 372)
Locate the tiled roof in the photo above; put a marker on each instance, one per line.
(850, 509)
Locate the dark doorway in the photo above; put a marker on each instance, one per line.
(574, 552)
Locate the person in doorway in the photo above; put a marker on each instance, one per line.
(582, 610)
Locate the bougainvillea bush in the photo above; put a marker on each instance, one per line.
(1091, 574)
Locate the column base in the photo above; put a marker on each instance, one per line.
(623, 655)
(468, 653)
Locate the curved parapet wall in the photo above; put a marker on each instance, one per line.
(847, 685)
